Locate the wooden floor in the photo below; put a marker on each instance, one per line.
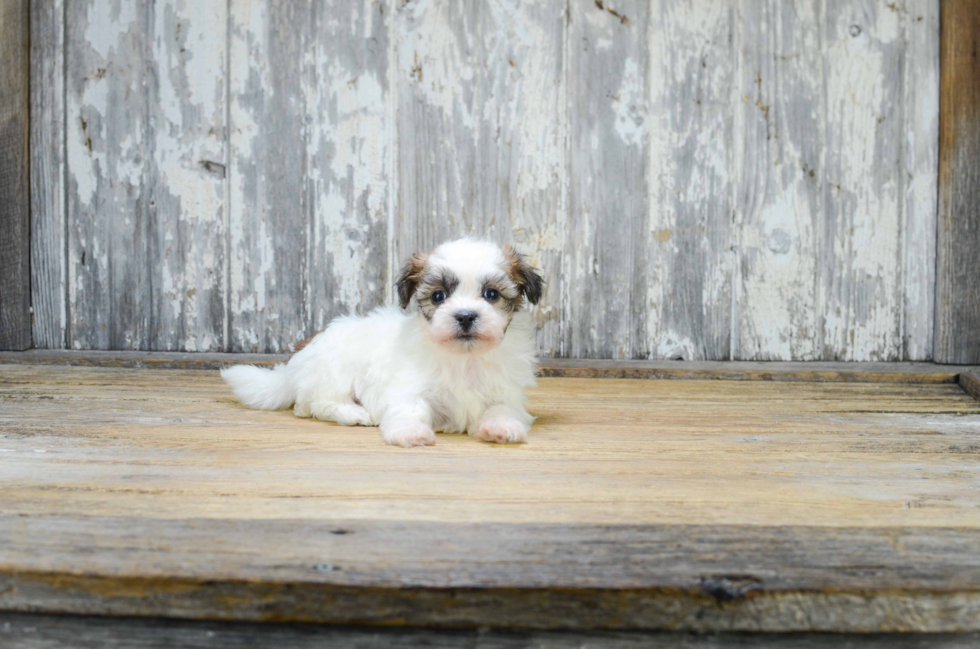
(744, 505)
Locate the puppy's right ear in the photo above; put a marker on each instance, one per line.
(410, 278)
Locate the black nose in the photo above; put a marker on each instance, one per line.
(465, 319)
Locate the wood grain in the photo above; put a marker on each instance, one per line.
(184, 176)
(608, 163)
(822, 371)
(970, 382)
(309, 158)
(779, 206)
(864, 183)
(809, 453)
(957, 279)
(106, 146)
(921, 128)
(15, 274)
(49, 270)
(35, 631)
(140, 492)
(680, 307)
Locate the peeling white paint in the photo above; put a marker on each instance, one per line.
(774, 158)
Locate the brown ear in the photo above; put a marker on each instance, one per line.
(410, 278)
(526, 277)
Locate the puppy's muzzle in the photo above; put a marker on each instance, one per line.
(466, 320)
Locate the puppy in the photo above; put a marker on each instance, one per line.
(458, 361)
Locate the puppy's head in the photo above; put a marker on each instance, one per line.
(467, 291)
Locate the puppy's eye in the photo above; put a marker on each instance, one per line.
(491, 295)
(438, 297)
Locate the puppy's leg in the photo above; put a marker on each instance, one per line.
(408, 424)
(503, 425)
(345, 414)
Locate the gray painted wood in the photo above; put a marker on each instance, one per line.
(27, 631)
(480, 133)
(752, 180)
(681, 303)
(15, 277)
(921, 129)
(184, 176)
(779, 134)
(957, 273)
(107, 158)
(48, 261)
(309, 157)
(608, 162)
(863, 182)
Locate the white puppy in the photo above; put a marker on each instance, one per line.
(460, 362)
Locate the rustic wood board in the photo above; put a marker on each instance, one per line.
(957, 276)
(15, 272)
(49, 263)
(309, 164)
(35, 631)
(549, 367)
(636, 504)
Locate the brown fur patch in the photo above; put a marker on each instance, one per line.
(303, 343)
(411, 277)
(525, 276)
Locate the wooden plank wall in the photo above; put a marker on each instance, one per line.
(958, 262)
(15, 281)
(698, 179)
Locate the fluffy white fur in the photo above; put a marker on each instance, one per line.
(418, 372)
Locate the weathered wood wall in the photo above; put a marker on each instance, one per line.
(699, 179)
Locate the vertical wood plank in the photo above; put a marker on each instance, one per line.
(864, 176)
(347, 143)
(106, 154)
(15, 283)
(309, 155)
(921, 139)
(184, 175)
(609, 158)
(269, 211)
(682, 282)
(958, 245)
(480, 140)
(48, 252)
(779, 158)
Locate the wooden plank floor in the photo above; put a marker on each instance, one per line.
(701, 505)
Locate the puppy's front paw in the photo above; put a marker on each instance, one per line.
(409, 433)
(502, 430)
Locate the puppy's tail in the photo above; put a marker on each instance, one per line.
(260, 388)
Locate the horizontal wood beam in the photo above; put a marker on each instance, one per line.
(970, 382)
(550, 367)
(499, 575)
(958, 235)
(38, 631)
(15, 272)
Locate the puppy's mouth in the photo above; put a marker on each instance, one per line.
(467, 337)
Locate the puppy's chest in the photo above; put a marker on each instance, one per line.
(462, 393)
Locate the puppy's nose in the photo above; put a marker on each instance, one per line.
(465, 319)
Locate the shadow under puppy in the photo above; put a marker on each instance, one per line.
(460, 361)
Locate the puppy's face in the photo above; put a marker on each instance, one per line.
(467, 291)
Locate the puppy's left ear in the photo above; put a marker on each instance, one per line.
(410, 278)
(527, 277)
